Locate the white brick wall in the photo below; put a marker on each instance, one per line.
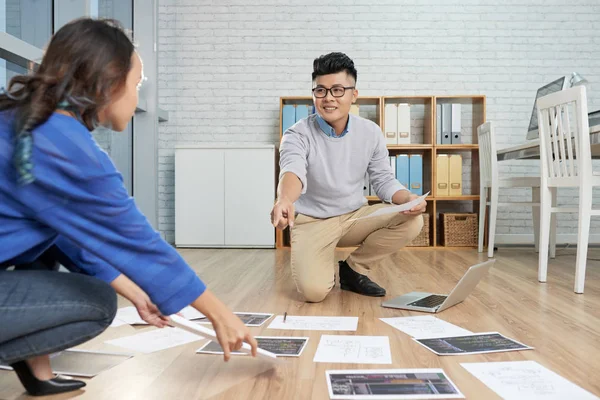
(223, 65)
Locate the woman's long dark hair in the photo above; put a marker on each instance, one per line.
(86, 62)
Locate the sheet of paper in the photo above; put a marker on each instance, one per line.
(475, 343)
(426, 326)
(394, 209)
(391, 384)
(354, 349)
(248, 318)
(129, 315)
(191, 313)
(117, 322)
(155, 340)
(526, 380)
(302, 323)
(282, 346)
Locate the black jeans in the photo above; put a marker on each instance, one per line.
(43, 311)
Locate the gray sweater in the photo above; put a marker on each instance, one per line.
(332, 169)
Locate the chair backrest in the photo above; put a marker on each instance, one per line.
(488, 158)
(565, 137)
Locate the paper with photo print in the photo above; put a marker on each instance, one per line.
(372, 384)
(476, 343)
(283, 346)
(248, 318)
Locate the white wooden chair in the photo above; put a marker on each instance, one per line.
(566, 161)
(488, 173)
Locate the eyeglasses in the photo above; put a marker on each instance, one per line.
(139, 85)
(336, 91)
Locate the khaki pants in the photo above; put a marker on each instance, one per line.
(314, 241)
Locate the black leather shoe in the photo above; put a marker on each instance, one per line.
(35, 387)
(358, 283)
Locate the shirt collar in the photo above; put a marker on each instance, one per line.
(328, 130)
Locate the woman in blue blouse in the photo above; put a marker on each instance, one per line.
(63, 201)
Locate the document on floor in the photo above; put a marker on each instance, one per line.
(130, 316)
(155, 340)
(526, 380)
(476, 343)
(354, 349)
(282, 346)
(431, 383)
(84, 363)
(394, 209)
(302, 323)
(248, 318)
(425, 327)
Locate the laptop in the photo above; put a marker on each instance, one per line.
(554, 86)
(435, 303)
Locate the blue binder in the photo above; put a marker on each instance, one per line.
(416, 174)
(301, 112)
(402, 169)
(288, 117)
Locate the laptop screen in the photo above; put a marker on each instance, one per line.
(555, 86)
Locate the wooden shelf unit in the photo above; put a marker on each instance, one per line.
(473, 114)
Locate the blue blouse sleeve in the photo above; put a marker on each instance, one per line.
(79, 193)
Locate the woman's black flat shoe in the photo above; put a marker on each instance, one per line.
(35, 387)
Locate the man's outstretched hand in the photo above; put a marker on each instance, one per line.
(282, 214)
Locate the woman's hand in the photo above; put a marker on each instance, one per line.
(231, 331)
(149, 312)
(145, 308)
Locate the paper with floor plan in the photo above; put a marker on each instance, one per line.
(129, 315)
(354, 349)
(394, 209)
(302, 323)
(155, 340)
(526, 380)
(425, 327)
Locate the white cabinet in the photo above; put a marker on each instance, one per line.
(224, 195)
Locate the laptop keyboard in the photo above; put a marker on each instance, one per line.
(429, 301)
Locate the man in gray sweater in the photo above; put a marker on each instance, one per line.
(323, 161)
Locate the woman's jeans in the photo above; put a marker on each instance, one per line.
(43, 311)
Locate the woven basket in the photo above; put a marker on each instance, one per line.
(459, 229)
(423, 239)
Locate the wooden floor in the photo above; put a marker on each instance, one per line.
(563, 327)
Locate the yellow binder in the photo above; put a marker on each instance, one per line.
(442, 175)
(354, 109)
(455, 175)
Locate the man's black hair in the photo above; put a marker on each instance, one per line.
(333, 63)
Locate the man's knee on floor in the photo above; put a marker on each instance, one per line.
(314, 293)
(415, 226)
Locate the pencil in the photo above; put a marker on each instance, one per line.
(284, 316)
